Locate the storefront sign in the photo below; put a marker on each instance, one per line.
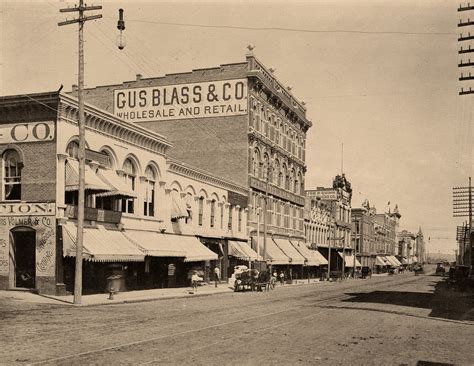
(21, 209)
(27, 132)
(195, 100)
(275, 191)
(39, 218)
(326, 195)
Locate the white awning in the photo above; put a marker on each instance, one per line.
(118, 186)
(290, 251)
(91, 180)
(194, 250)
(393, 261)
(273, 254)
(380, 260)
(101, 244)
(349, 260)
(313, 257)
(154, 244)
(242, 251)
(178, 207)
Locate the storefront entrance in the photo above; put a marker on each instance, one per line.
(23, 242)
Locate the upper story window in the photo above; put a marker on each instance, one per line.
(240, 220)
(149, 197)
(229, 225)
(73, 150)
(200, 210)
(213, 213)
(12, 175)
(129, 177)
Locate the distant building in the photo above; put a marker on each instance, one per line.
(331, 226)
(363, 234)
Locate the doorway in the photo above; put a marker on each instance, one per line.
(24, 256)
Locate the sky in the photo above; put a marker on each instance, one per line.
(379, 79)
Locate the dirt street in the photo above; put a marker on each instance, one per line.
(394, 320)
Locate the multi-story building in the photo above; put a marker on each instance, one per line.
(420, 247)
(332, 228)
(238, 122)
(363, 234)
(145, 214)
(407, 247)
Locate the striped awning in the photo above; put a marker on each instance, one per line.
(154, 244)
(178, 207)
(101, 244)
(193, 249)
(349, 260)
(393, 261)
(242, 251)
(380, 260)
(118, 186)
(290, 251)
(273, 254)
(91, 180)
(313, 257)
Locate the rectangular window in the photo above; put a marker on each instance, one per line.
(213, 212)
(200, 211)
(240, 219)
(222, 215)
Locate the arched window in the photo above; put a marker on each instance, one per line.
(129, 178)
(73, 149)
(149, 199)
(200, 210)
(276, 172)
(284, 177)
(189, 207)
(213, 212)
(256, 163)
(265, 170)
(12, 175)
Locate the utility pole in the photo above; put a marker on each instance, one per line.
(467, 40)
(462, 207)
(82, 129)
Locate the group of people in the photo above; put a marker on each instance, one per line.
(281, 277)
(195, 278)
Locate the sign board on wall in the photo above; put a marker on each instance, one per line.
(171, 102)
(39, 217)
(326, 195)
(27, 132)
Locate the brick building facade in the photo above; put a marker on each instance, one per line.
(238, 122)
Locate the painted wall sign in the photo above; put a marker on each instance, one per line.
(206, 99)
(37, 216)
(27, 132)
(21, 209)
(328, 195)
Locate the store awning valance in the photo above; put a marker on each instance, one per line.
(380, 260)
(290, 251)
(101, 244)
(118, 186)
(349, 260)
(313, 257)
(273, 254)
(242, 251)
(154, 244)
(194, 250)
(178, 206)
(91, 180)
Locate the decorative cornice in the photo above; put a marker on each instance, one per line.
(202, 176)
(109, 125)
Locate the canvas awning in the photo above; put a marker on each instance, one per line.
(91, 180)
(393, 261)
(273, 254)
(154, 244)
(178, 207)
(242, 251)
(381, 261)
(290, 251)
(349, 260)
(118, 186)
(194, 250)
(313, 257)
(101, 244)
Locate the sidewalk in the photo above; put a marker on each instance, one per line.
(139, 296)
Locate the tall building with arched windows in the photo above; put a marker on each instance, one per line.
(238, 122)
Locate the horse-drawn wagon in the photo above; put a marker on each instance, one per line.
(254, 280)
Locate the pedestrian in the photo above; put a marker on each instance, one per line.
(282, 278)
(194, 280)
(217, 275)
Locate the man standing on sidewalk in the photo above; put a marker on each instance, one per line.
(217, 275)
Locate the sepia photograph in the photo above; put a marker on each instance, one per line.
(236, 182)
